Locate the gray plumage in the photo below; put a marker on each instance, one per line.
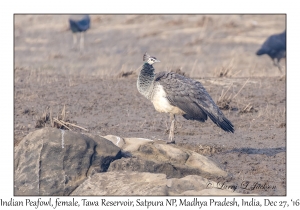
(146, 77)
(191, 97)
(275, 47)
(175, 94)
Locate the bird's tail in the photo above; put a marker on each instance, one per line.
(222, 122)
(260, 52)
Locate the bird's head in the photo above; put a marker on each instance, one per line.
(149, 59)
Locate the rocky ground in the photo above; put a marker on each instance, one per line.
(97, 87)
(53, 161)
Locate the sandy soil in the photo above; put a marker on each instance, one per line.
(98, 86)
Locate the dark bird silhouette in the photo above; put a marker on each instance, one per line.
(79, 24)
(175, 94)
(275, 47)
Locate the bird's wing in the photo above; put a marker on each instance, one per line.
(190, 96)
(276, 42)
(79, 22)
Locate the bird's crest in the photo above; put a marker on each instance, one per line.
(150, 59)
(146, 56)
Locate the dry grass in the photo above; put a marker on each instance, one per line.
(248, 108)
(180, 71)
(127, 74)
(201, 45)
(227, 99)
(211, 40)
(225, 71)
(272, 116)
(60, 121)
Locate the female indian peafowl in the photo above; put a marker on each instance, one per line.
(175, 94)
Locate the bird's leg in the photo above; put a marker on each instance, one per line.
(172, 128)
(81, 41)
(74, 40)
(279, 67)
(276, 63)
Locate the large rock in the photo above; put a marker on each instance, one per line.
(50, 161)
(197, 185)
(143, 183)
(158, 157)
(144, 165)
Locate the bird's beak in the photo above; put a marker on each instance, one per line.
(157, 60)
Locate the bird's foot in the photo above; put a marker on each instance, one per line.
(171, 142)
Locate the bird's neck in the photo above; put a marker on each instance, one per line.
(145, 80)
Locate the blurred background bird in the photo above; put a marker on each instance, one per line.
(79, 24)
(275, 47)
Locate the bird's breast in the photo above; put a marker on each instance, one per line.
(161, 103)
